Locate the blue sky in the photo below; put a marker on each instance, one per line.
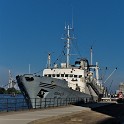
(29, 29)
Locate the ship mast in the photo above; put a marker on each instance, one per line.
(68, 38)
(49, 60)
(68, 45)
(91, 56)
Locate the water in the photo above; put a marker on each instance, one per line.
(11, 96)
(12, 103)
(17, 102)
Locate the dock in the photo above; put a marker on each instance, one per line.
(25, 117)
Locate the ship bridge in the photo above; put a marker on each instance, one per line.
(74, 74)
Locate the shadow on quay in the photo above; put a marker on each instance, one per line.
(116, 111)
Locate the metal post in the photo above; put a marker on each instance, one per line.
(53, 102)
(50, 102)
(60, 101)
(15, 103)
(7, 104)
(57, 102)
(40, 102)
(22, 104)
(45, 103)
(35, 103)
(66, 101)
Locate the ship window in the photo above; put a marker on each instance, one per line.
(71, 75)
(75, 76)
(58, 75)
(66, 75)
(62, 75)
(53, 75)
(80, 76)
(49, 75)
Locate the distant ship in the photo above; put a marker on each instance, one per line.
(64, 80)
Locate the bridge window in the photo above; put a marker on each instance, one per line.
(49, 75)
(58, 75)
(71, 75)
(66, 75)
(53, 75)
(62, 75)
(80, 76)
(75, 76)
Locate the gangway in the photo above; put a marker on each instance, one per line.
(96, 88)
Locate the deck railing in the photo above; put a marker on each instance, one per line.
(16, 104)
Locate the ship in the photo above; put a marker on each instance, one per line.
(63, 80)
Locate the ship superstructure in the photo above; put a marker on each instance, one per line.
(73, 74)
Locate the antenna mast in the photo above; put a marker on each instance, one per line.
(68, 45)
(68, 38)
(97, 72)
(29, 68)
(91, 56)
(72, 19)
(49, 60)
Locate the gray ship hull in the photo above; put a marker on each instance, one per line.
(35, 88)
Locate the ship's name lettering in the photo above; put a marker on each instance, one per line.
(58, 93)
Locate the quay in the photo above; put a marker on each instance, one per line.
(33, 116)
(25, 117)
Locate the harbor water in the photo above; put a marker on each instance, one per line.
(18, 102)
(10, 102)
